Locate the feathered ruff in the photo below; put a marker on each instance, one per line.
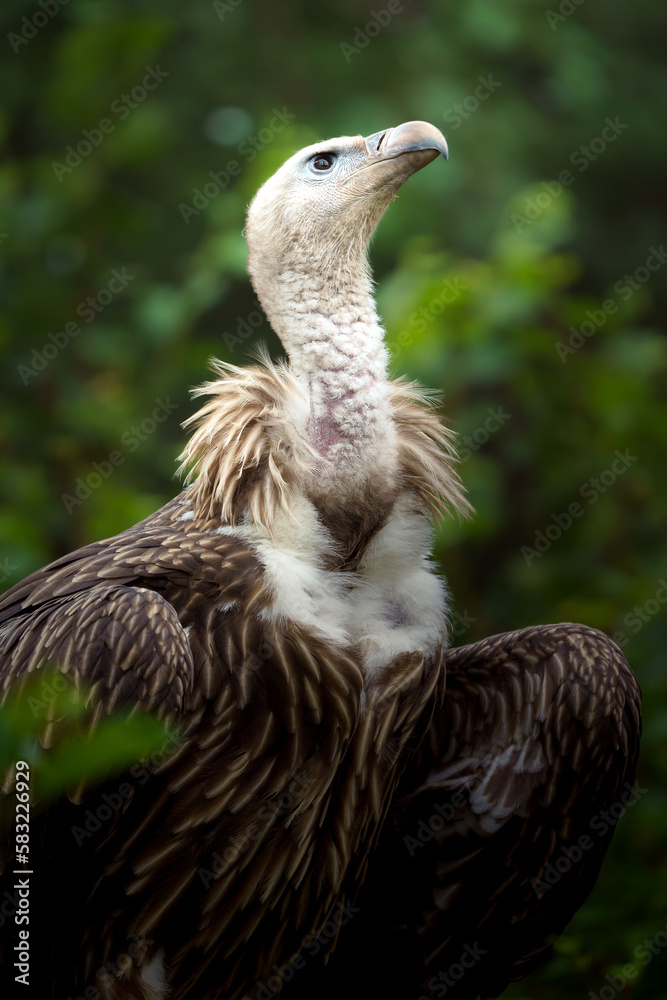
(427, 449)
(249, 455)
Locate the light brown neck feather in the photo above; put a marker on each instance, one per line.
(249, 458)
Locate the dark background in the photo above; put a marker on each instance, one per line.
(504, 263)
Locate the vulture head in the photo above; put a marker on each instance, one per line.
(308, 232)
(323, 205)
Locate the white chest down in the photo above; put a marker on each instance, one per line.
(393, 602)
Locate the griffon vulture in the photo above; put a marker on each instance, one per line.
(342, 777)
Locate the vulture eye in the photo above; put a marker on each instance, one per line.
(322, 161)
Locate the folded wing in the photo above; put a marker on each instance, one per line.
(500, 827)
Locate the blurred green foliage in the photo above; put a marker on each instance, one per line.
(484, 267)
(46, 722)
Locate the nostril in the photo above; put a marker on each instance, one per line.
(380, 141)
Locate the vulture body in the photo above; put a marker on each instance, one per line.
(284, 613)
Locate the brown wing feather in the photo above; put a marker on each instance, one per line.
(537, 736)
(111, 613)
(126, 643)
(114, 616)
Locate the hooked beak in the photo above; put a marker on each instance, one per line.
(420, 138)
(395, 154)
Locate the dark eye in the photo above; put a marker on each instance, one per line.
(322, 161)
